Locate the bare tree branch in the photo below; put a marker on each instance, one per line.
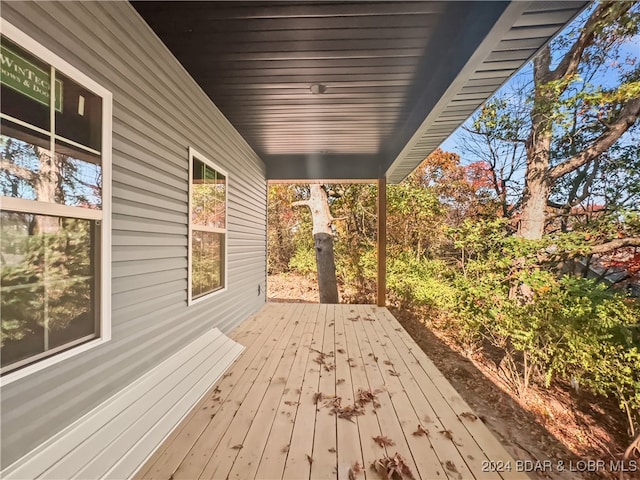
(615, 244)
(300, 203)
(17, 170)
(627, 117)
(601, 14)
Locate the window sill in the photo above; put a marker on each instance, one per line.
(47, 362)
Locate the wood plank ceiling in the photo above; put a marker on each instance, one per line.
(328, 90)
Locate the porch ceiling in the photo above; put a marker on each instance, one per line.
(397, 77)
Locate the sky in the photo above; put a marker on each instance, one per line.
(608, 78)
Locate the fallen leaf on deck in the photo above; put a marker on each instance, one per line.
(366, 396)
(451, 466)
(341, 350)
(383, 441)
(285, 449)
(346, 412)
(238, 447)
(355, 470)
(469, 415)
(227, 375)
(332, 450)
(393, 373)
(216, 390)
(291, 403)
(388, 362)
(354, 319)
(339, 381)
(317, 397)
(309, 459)
(392, 468)
(421, 431)
(449, 435)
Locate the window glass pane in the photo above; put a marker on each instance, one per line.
(79, 117)
(48, 285)
(25, 90)
(207, 262)
(208, 194)
(31, 173)
(24, 174)
(80, 177)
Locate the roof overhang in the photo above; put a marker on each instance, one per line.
(352, 90)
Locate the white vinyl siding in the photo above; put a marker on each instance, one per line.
(158, 113)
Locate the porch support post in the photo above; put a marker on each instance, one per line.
(382, 241)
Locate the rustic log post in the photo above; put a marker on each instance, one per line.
(323, 243)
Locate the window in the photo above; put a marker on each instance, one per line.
(207, 227)
(55, 142)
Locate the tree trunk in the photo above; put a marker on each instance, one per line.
(537, 181)
(46, 186)
(534, 202)
(323, 242)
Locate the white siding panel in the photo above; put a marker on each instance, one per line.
(159, 112)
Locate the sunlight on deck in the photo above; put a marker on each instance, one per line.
(313, 389)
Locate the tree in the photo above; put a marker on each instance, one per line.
(597, 117)
(496, 136)
(323, 242)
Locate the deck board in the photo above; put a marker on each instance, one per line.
(260, 420)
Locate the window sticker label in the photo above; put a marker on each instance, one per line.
(26, 78)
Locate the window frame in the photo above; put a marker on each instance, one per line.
(104, 215)
(194, 154)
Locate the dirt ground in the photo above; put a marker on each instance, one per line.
(561, 429)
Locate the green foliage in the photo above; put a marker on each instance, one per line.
(546, 325)
(417, 282)
(304, 260)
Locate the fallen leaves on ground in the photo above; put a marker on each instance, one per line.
(393, 373)
(469, 415)
(355, 470)
(392, 468)
(451, 466)
(238, 447)
(383, 441)
(366, 396)
(347, 412)
(449, 435)
(421, 431)
(321, 359)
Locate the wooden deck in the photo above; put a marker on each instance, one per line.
(264, 419)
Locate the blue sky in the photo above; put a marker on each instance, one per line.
(607, 78)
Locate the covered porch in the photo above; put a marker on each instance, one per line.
(319, 388)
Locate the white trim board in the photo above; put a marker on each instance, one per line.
(118, 436)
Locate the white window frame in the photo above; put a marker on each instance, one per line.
(193, 153)
(104, 215)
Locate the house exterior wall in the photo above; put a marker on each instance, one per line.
(158, 113)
